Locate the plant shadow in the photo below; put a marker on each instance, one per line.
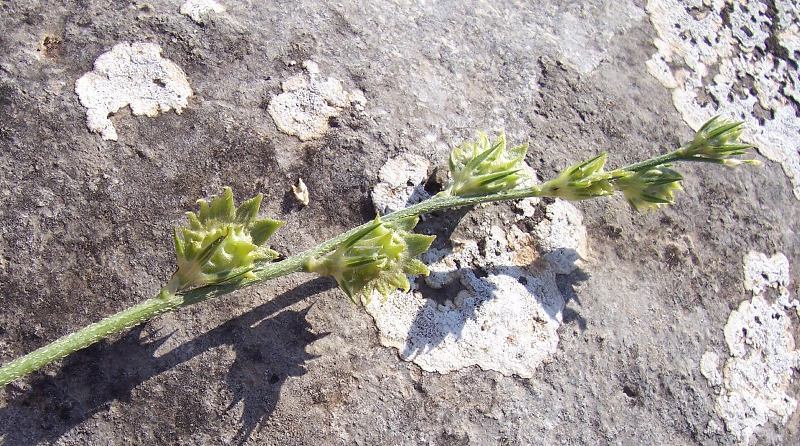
(444, 315)
(269, 343)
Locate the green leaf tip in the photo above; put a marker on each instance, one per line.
(482, 167)
(221, 243)
(377, 258)
(718, 141)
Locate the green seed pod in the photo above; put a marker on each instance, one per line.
(650, 189)
(377, 258)
(581, 181)
(221, 242)
(482, 167)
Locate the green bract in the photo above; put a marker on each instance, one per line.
(650, 189)
(482, 167)
(581, 181)
(221, 242)
(377, 258)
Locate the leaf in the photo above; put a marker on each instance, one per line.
(248, 210)
(262, 230)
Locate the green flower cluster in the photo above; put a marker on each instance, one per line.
(581, 181)
(221, 242)
(718, 141)
(483, 167)
(650, 188)
(379, 258)
(651, 184)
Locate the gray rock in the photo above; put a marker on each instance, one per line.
(85, 227)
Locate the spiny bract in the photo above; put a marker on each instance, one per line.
(222, 242)
(581, 181)
(376, 258)
(482, 167)
(651, 188)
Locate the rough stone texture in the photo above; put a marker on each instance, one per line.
(738, 59)
(497, 305)
(308, 103)
(199, 10)
(401, 183)
(85, 227)
(760, 337)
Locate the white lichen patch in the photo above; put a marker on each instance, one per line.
(308, 102)
(402, 181)
(562, 236)
(762, 272)
(507, 306)
(199, 10)
(709, 367)
(738, 59)
(752, 387)
(131, 74)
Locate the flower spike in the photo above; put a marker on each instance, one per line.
(718, 141)
(581, 181)
(650, 189)
(482, 167)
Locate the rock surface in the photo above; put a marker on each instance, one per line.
(85, 227)
(760, 338)
(493, 302)
(131, 74)
(737, 59)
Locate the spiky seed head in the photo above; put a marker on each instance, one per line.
(379, 258)
(650, 189)
(484, 166)
(221, 242)
(718, 140)
(581, 181)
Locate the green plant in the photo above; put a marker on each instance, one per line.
(223, 248)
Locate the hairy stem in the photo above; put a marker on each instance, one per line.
(88, 335)
(677, 155)
(296, 263)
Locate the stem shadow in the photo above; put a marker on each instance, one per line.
(269, 343)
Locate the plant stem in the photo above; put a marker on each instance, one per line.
(152, 307)
(296, 263)
(263, 272)
(87, 336)
(657, 161)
